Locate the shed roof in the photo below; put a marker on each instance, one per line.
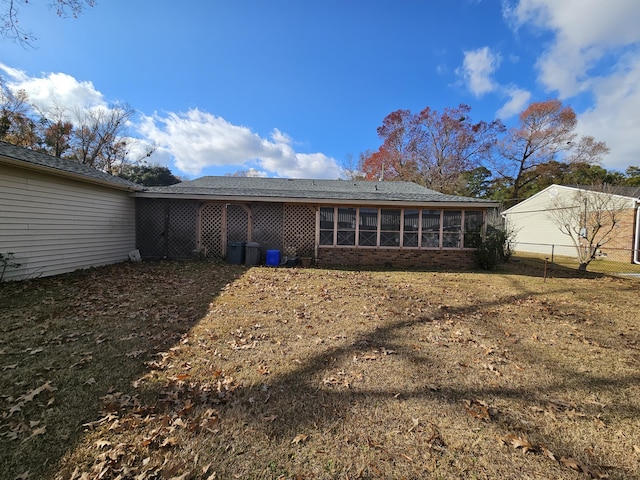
(26, 158)
(309, 190)
(631, 192)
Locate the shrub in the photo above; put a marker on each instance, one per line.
(492, 249)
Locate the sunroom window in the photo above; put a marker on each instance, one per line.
(411, 224)
(327, 226)
(346, 226)
(368, 227)
(472, 228)
(397, 227)
(390, 228)
(431, 228)
(451, 229)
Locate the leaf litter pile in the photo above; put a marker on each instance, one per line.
(202, 370)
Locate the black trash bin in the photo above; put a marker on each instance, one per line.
(235, 253)
(252, 254)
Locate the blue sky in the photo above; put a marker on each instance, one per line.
(295, 88)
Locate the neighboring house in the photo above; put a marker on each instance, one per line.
(335, 221)
(57, 215)
(535, 230)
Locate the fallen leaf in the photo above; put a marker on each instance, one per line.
(477, 409)
(574, 464)
(16, 408)
(300, 438)
(181, 477)
(169, 442)
(38, 431)
(518, 442)
(136, 353)
(103, 443)
(548, 453)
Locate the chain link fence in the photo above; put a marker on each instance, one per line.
(619, 262)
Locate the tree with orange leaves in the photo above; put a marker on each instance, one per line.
(430, 148)
(545, 132)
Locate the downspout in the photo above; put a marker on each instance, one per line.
(636, 250)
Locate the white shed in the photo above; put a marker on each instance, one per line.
(57, 215)
(536, 231)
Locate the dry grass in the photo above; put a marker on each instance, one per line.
(204, 370)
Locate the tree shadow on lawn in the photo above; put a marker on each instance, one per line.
(88, 316)
(305, 408)
(301, 404)
(67, 341)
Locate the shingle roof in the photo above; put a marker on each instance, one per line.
(632, 192)
(64, 166)
(308, 189)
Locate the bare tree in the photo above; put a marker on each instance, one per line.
(11, 28)
(351, 168)
(98, 135)
(589, 218)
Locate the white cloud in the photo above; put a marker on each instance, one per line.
(191, 141)
(615, 116)
(197, 140)
(595, 49)
(54, 90)
(518, 101)
(478, 67)
(585, 32)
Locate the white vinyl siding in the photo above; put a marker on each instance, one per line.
(55, 225)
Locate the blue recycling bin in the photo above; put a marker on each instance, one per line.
(273, 258)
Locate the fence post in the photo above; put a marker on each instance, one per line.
(545, 268)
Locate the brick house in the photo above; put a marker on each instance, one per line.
(334, 221)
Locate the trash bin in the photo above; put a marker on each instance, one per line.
(273, 258)
(235, 253)
(252, 253)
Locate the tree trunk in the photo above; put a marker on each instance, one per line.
(583, 267)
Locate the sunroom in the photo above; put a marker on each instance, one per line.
(334, 221)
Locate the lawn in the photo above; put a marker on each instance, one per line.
(202, 370)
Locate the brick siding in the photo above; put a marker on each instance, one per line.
(453, 259)
(620, 248)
